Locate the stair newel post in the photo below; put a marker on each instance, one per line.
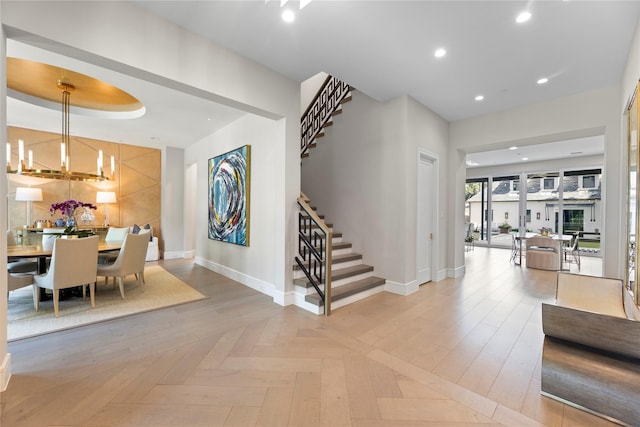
(314, 251)
(327, 287)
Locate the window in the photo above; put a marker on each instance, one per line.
(548, 184)
(589, 181)
(516, 185)
(528, 219)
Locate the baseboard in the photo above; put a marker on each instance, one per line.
(401, 288)
(177, 255)
(5, 372)
(249, 281)
(189, 254)
(456, 272)
(441, 275)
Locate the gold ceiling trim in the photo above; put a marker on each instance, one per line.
(34, 79)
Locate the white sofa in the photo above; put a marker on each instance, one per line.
(153, 251)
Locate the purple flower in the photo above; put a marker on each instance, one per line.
(68, 207)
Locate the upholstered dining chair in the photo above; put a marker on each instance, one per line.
(73, 263)
(49, 236)
(114, 235)
(23, 265)
(131, 260)
(18, 280)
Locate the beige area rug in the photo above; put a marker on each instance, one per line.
(161, 289)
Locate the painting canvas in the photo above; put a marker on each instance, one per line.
(229, 183)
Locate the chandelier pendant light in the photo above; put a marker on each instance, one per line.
(65, 172)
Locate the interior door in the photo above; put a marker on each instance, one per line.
(426, 203)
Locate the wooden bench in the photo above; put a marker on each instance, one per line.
(591, 352)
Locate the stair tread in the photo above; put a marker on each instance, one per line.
(348, 289)
(339, 274)
(337, 259)
(340, 245)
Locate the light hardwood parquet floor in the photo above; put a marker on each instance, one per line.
(459, 352)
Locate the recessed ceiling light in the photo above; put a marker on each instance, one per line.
(525, 159)
(288, 16)
(439, 53)
(523, 17)
(542, 80)
(479, 97)
(513, 148)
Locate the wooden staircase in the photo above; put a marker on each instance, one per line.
(352, 280)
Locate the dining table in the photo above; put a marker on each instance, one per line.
(17, 252)
(36, 251)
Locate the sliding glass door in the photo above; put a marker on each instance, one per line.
(563, 202)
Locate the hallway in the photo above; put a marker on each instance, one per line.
(458, 352)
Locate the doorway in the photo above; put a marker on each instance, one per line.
(426, 216)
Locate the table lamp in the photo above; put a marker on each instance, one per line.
(106, 197)
(28, 194)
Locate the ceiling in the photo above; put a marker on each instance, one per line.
(384, 49)
(579, 147)
(170, 118)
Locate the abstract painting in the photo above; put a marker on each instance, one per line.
(229, 183)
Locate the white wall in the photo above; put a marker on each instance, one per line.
(5, 358)
(125, 38)
(427, 131)
(254, 265)
(362, 175)
(631, 73)
(589, 113)
(309, 88)
(173, 176)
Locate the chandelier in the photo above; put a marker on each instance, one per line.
(65, 172)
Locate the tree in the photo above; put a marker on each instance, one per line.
(471, 189)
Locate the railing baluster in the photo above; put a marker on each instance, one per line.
(326, 101)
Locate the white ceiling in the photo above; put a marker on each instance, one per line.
(172, 118)
(579, 147)
(384, 49)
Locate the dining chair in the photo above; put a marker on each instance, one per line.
(73, 263)
(572, 253)
(114, 235)
(23, 265)
(18, 280)
(131, 260)
(49, 236)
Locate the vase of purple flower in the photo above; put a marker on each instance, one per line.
(68, 209)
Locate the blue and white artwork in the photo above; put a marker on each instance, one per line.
(229, 196)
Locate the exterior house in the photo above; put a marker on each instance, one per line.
(581, 196)
(371, 186)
